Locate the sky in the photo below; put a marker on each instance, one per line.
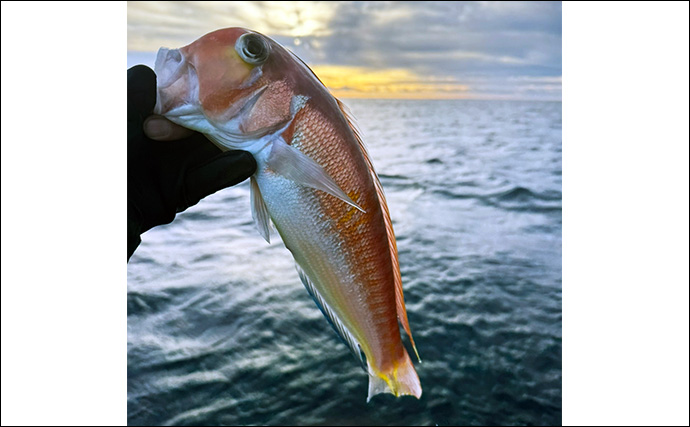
(457, 50)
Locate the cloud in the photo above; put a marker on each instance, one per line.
(458, 36)
(476, 45)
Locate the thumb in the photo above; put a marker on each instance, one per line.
(224, 170)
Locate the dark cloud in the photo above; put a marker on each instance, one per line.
(494, 42)
(391, 32)
(457, 39)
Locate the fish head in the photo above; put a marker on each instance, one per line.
(233, 82)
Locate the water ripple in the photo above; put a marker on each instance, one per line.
(221, 331)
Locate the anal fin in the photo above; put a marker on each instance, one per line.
(342, 331)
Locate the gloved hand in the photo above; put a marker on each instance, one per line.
(163, 176)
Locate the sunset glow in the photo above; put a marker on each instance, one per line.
(363, 82)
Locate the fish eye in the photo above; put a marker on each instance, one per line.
(252, 48)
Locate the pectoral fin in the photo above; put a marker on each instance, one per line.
(294, 165)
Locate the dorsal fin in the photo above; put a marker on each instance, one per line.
(399, 299)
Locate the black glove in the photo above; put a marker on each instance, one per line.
(166, 177)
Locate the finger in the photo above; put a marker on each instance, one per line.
(141, 91)
(226, 169)
(162, 129)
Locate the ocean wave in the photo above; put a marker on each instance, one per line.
(221, 331)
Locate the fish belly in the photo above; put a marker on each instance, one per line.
(350, 270)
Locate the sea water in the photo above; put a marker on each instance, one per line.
(221, 330)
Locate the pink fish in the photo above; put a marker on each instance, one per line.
(314, 181)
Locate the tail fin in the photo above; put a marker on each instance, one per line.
(401, 380)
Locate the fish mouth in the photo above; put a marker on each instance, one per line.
(177, 83)
(169, 66)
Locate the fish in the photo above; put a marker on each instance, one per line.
(315, 182)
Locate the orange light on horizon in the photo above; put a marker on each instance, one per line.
(397, 83)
